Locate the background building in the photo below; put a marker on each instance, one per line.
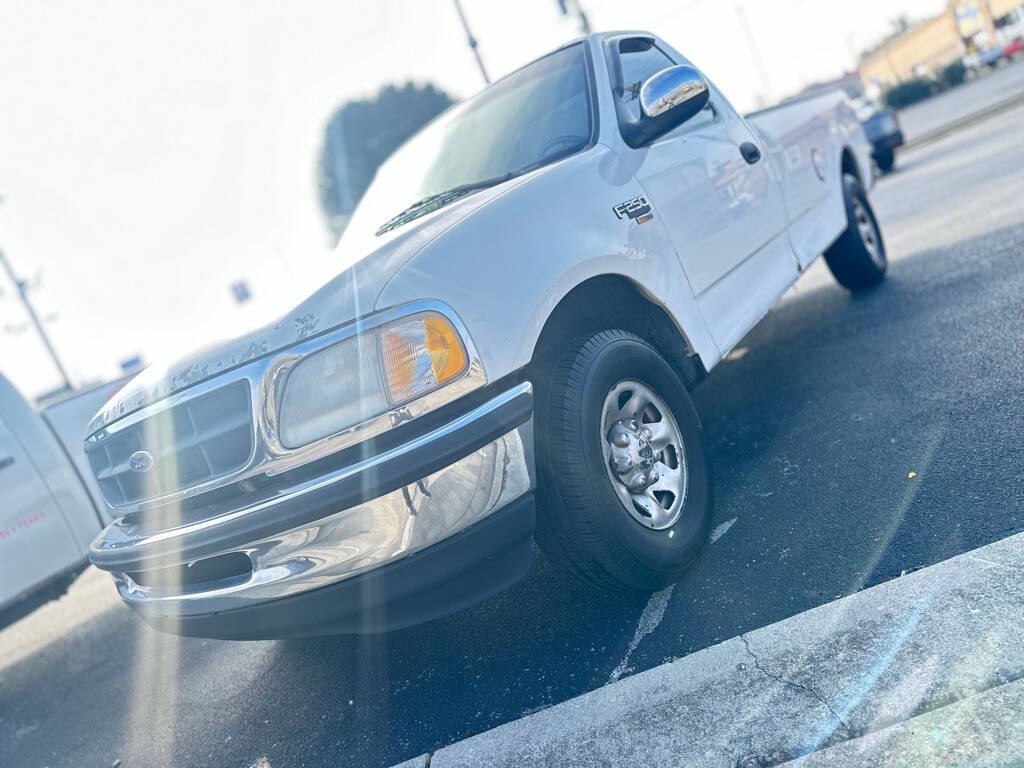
(927, 47)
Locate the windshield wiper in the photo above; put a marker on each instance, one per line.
(431, 203)
(437, 200)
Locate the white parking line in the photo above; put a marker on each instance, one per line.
(653, 613)
(722, 529)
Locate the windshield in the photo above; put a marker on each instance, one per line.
(537, 115)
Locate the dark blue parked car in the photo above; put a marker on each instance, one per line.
(882, 128)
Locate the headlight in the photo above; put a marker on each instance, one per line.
(366, 375)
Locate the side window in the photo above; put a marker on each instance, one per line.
(639, 59)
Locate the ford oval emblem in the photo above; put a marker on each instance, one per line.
(141, 461)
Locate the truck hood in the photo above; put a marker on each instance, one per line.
(365, 264)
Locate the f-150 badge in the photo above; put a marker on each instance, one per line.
(638, 208)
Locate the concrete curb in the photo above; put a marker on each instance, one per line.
(851, 675)
(981, 730)
(963, 122)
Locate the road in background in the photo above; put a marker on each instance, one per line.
(851, 439)
(976, 96)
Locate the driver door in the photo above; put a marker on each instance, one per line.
(716, 196)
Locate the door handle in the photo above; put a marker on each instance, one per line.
(750, 152)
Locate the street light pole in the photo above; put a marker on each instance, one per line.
(472, 41)
(22, 287)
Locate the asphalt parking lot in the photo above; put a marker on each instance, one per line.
(852, 439)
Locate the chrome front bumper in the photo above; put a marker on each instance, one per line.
(344, 523)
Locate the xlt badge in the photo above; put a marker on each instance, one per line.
(638, 208)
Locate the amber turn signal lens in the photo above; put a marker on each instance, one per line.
(447, 357)
(419, 355)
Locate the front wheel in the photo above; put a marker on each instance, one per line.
(857, 259)
(624, 489)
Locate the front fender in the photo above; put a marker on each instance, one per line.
(505, 267)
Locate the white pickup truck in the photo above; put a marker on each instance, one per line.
(526, 294)
(50, 511)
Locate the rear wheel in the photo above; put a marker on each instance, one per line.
(625, 498)
(857, 259)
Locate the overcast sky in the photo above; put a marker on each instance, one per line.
(152, 153)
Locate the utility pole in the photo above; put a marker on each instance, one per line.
(581, 15)
(472, 41)
(22, 287)
(585, 27)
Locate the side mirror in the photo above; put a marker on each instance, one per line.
(667, 100)
(680, 88)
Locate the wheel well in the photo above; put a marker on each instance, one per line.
(849, 164)
(612, 301)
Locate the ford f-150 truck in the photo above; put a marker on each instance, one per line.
(525, 296)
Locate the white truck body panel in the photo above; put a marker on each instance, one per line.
(36, 541)
(805, 138)
(47, 519)
(504, 287)
(721, 213)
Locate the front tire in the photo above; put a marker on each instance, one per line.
(857, 259)
(624, 489)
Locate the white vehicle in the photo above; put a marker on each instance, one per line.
(527, 292)
(48, 517)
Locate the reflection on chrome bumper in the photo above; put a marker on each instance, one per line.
(357, 539)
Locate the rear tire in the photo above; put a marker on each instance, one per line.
(857, 259)
(587, 518)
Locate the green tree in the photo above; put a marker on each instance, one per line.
(360, 135)
(908, 92)
(953, 74)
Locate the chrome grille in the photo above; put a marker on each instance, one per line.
(196, 441)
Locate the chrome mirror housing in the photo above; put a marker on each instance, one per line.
(680, 87)
(667, 100)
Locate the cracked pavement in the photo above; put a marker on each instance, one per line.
(847, 733)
